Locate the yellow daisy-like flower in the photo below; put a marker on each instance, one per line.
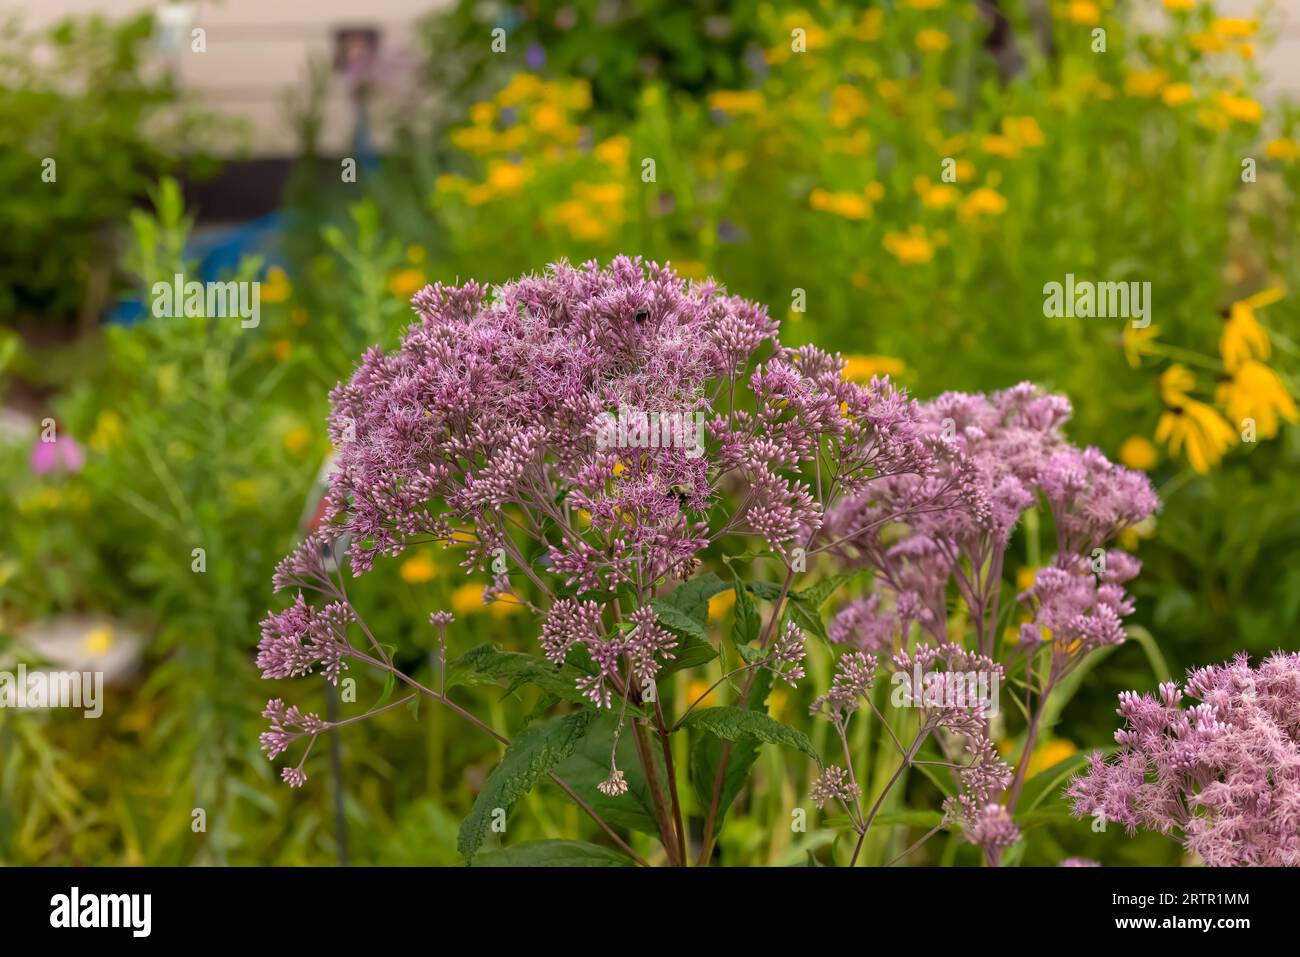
(1234, 28)
(1049, 754)
(846, 205)
(1256, 392)
(1175, 383)
(1138, 342)
(1282, 148)
(1023, 131)
(931, 40)
(1189, 425)
(699, 686)
(276, 287)
(1243, 337)
(1145, 83)
(614, 151)
(720, 603)
(505, 178)
(1083, 12)
(997, 145)
(861, 368)
(467, 599)
(911, 247)
(737, 102)
(1240, 108)
(98, 641)
(1180, 6)
(936, 195)
(1176, 94)
(297, 441)
(982, 202)
(1138, 452)
(405, 283)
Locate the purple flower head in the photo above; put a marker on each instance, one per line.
(1222, 774)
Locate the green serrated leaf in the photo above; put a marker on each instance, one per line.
(690, 653)
(533, 754)
(552, 854)
(488, 664)
(748, 620)
(588, 766)
(676, 620)
(732, 724)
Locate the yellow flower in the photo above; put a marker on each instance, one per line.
(1243, 337)
(1138, 342)
(737, 101)
(847, 104)
(1023, 131)
(281, 349)
(481, 114)
(1180, 5)
(983, 202)
(1282, 148)
(1255, 392)
(691, 269)
(467, 599)
(870, 24)
(450, 183)
(1145, 83)
(297, 441)
(1084, 12)
(276, 287)
(522, 86)
(699, 686)
(1175, 383)
(546, 118)
(1234, 27)
(996, 145)
(474, 139)
(924, 4)
(1176, 94)
(720, 603)
(1049, 754)
(935, 195)
(405, 283)
(98, 641)
(506, 178)
(504, 606)
(614, 151)
(1240, 108)
(911, 247)
(861, 368)
(1208, 42)
(931, 40)
(1190, 424)
(847, 205)
(1139, 453)
(602, 194)
(108, 431)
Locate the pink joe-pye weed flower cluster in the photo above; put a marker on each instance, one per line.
(930, 535)
(486, 430)
(1222, 775)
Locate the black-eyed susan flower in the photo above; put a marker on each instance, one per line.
(1255, 392)
(1243, 337)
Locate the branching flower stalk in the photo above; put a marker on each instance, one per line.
(591, 437)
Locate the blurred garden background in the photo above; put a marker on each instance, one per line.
(895, 180)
